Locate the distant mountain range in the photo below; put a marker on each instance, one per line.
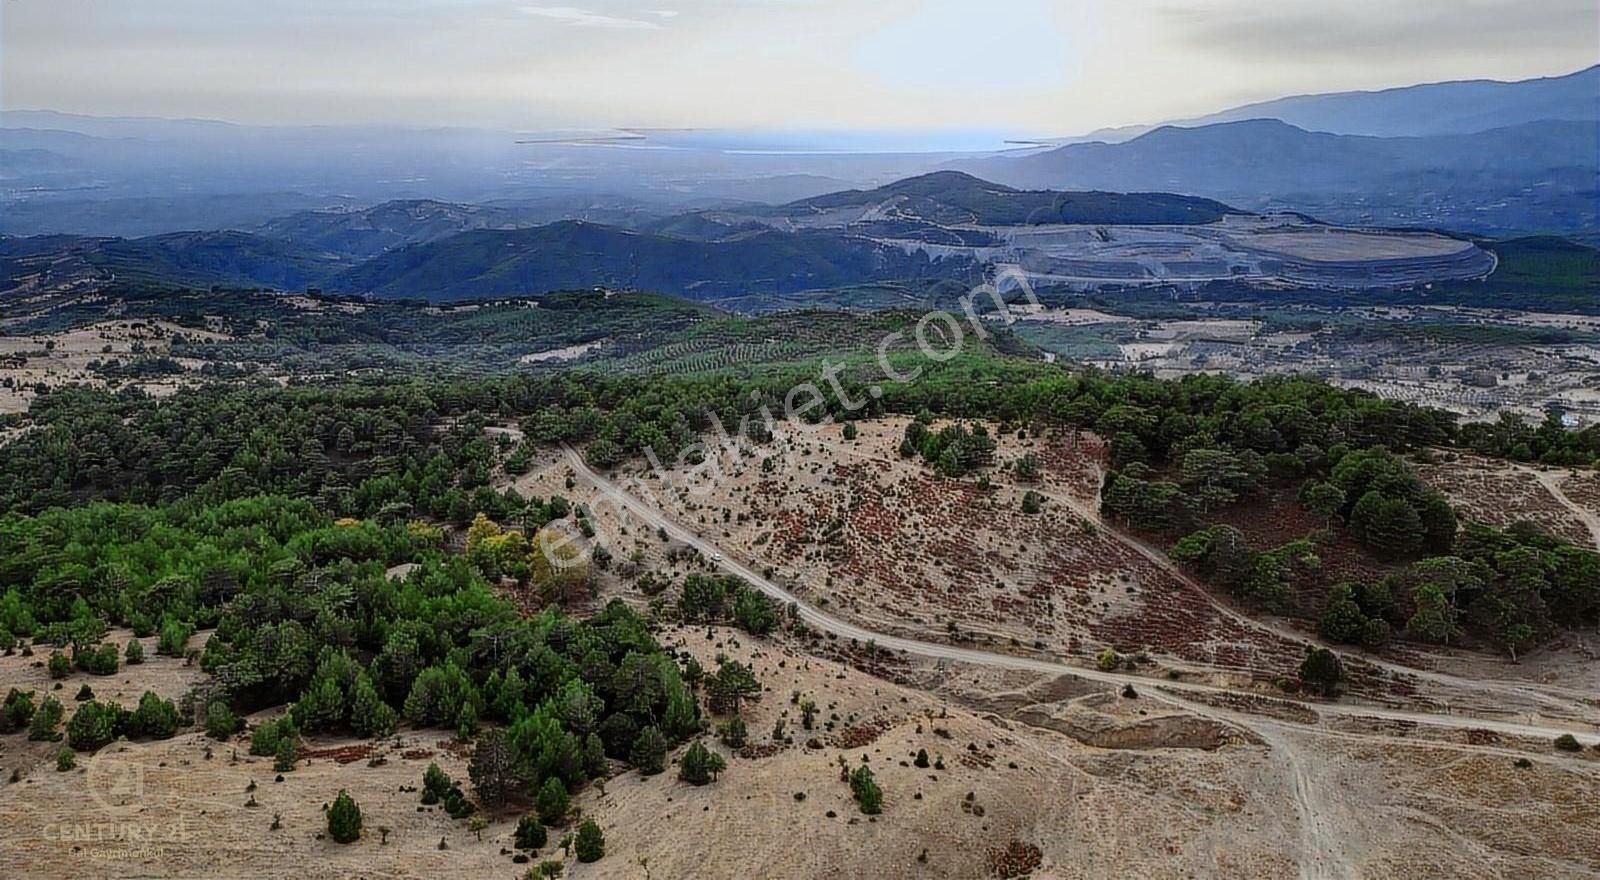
(1460, 107)
(1535, 175)
(942, 227)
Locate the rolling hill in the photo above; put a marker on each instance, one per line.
(192, 259)
(953, 198)
(575, 254)
(368, 232)
(1540, 175)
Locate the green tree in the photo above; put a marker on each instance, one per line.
(1325, 501)
(552, 802)
(649, 751)
(435, 784)
(530, 834)
(733, 733)
(94, 725)
(590, 845)
(1390, 527)
(1342, 619)
(370, 716)
(495, 771)
(699, 764)
(221, 723)
(284, 757)
(344, 819)
(1322, 671)
(866, 791)
(155, 717)
(1032, 502)
(46, 720)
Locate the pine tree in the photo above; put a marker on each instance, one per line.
(866, 790)
(370, 716)
(284, 758)
(435, 784)
(699, 765)
(590, 845)
(530, 834)
(493, 770)
(344, 819)
(649, 751)
(552, 802)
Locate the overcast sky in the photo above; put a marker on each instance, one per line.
(1037, 66)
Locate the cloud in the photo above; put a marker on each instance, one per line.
(1354, 31)
(577, 17)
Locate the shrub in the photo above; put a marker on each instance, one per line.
(552, 802)
(530, 834)
(101, 660)
(155, 718)
(94, 725)
(283, 760)
(135, 653)
(174, 638)
(866, 791)
(66, 759)
(1322, 671)
(344, 819)
(46, 720)
(699, 765)
(649, 751)
(59, 665)
(16, 711)
(84, 693)
(590, 844)
(435, 784)
(265, 738)
(221, 723)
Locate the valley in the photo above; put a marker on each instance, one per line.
(799, 440)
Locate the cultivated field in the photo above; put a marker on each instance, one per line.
(30, 362)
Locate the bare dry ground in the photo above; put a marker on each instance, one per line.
(1050, 775)
(1498, 493)
(861, 532)
(1045, 775)
(56, 359)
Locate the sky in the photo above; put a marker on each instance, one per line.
(1033, 67)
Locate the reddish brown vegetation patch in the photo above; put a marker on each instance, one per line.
(1015, 859)
(342, 754)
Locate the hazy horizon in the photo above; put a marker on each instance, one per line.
(1037, 69)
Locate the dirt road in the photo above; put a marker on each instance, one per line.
(825, 622)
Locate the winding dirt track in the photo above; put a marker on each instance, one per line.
(1321, 852)
(1552, 484)
(1557, 697)
(825, 622)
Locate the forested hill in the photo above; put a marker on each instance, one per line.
(951, 197)
(574, 254)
